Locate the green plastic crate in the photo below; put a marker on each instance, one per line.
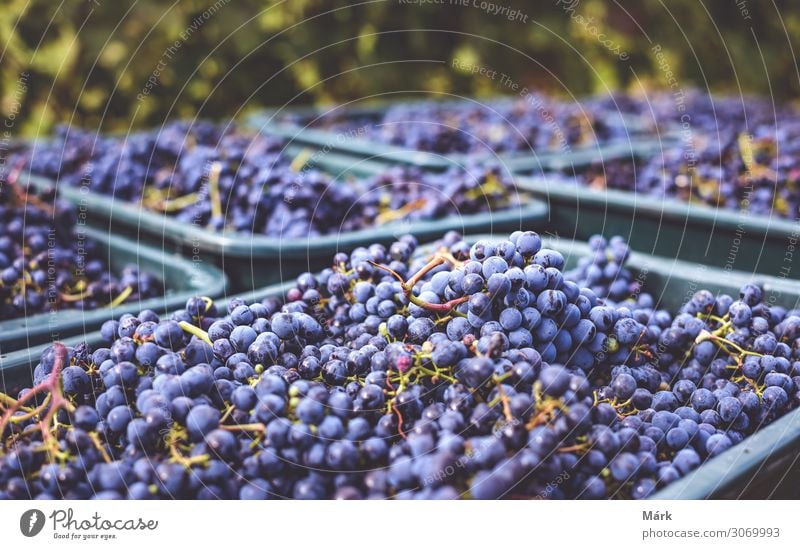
(181, 278)
(763, 465)
(640, 139)
(255, 260)
(666, 227)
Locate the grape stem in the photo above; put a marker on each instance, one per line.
(399, 422)
(53, 402)
(35, 412)
(171, 205)
(408, 288)
(95, 438)
(249, 427)
(10, 401)
(582, 447)
(300, 160)
(176, 436)
(74, 297)
(213, 190)
(22, 196)
(501, 394)
(195, 331)
(125, 294)
(393, 215)
(721, 342)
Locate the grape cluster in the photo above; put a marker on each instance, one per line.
(225, 180)
(699, 110)
(45, 263)
(725, 178)
(478, 371)
(536, 122)
(731, 153)
(604, 272)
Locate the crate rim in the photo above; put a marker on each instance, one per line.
(552, 187)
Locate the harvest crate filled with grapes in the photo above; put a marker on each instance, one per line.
(330, 259)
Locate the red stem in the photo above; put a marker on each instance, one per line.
(51, 385)
(408, 287)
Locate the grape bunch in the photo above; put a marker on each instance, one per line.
(534, 123)
(731, 153)
(743, 174)
(604, 272)
(223, 179)
(700, 110)
(47, 265)
(464, 371)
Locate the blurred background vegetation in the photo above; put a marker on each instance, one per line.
(118, 65)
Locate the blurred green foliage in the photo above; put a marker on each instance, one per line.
(117, 65)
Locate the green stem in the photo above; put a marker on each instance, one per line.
(195, 331)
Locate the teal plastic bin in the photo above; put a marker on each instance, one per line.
(181, 278)
(666, 227)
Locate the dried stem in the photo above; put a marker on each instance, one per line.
(53, 402)
(408, 288)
